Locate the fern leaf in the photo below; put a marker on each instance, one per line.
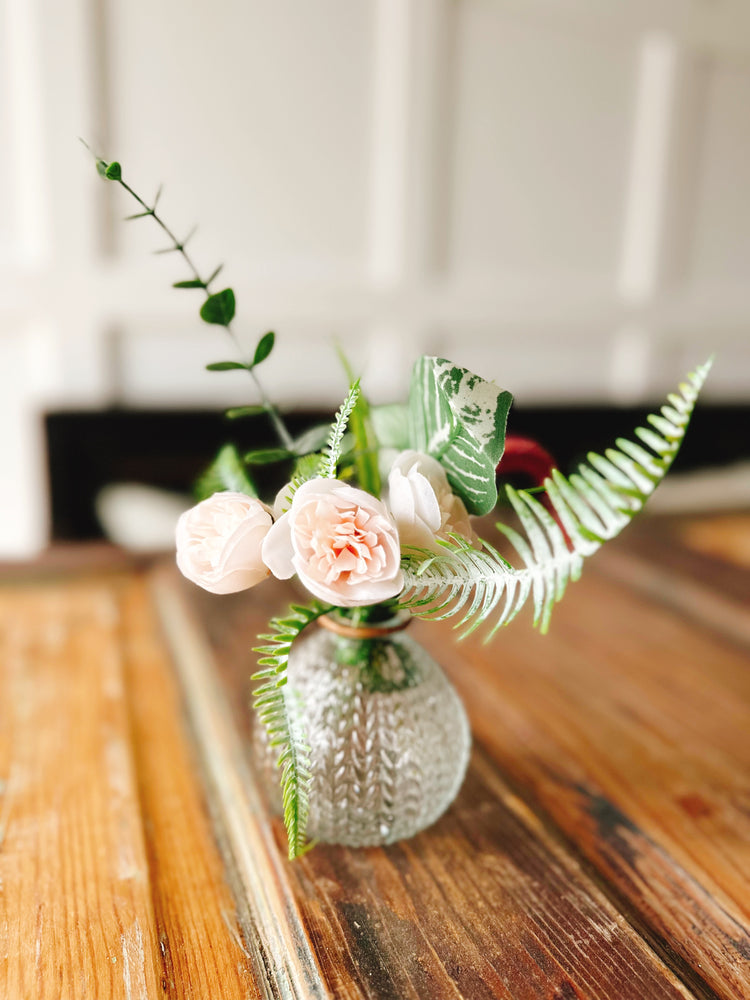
(325, 463)
(315, 464)
(332, 452)
(365, 439)
(593, 505)
(271, 703)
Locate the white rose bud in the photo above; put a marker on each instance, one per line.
(219, 542)
(423, 504)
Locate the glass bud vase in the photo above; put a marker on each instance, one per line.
(388, 736)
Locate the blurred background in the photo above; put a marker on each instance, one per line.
(553, 193)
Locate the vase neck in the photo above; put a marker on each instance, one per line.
(366, 630)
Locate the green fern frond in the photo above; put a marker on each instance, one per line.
(325, 463)
(270, 702)
(593, 505)
(332, 453)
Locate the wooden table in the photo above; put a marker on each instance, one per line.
(600, 847)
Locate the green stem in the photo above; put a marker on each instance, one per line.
(179, 246)
(283, 434)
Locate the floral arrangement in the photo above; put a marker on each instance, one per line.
(377, 513)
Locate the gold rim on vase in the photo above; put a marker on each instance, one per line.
(369, 630)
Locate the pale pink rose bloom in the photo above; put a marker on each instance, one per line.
(422, 503)
(340, 541)
(219, 542)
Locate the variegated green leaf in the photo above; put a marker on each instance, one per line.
(459, 419)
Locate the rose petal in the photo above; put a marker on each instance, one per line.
(219, 542)
(277, 550)
(343, 542)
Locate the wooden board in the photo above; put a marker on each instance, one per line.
(599, 849)
(630, 731)
(621, 741)
(111, 884)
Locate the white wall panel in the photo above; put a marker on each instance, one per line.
(679, 348)
(562, 363)
(161, 365)
(26, 196)
(542, 126)
(721, 242)
(6, 214)
(556, 193)
(257, 117)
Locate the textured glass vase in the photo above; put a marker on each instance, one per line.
(389, 738)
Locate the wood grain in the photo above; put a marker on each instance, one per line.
(628, 729)
(726, 537)
(486, 903)
(200, 943)
(284, 960)
(599, 849)
(77, 911)
(111, 884)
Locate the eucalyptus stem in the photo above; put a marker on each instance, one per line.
(276, 419)
(177, 245)
(113, 171)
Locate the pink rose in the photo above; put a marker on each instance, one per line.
(340, 541)
(219, 542)
(422, 503)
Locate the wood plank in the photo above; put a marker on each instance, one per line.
(77, 917)
(487, 903)
(628, 728)
(724, 536)
(284, 961)
(660, 560)
(618, 743)
(111, 882)
(200, 941)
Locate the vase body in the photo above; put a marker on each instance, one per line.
(388, 736)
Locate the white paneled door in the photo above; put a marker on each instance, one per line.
(554, 193)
